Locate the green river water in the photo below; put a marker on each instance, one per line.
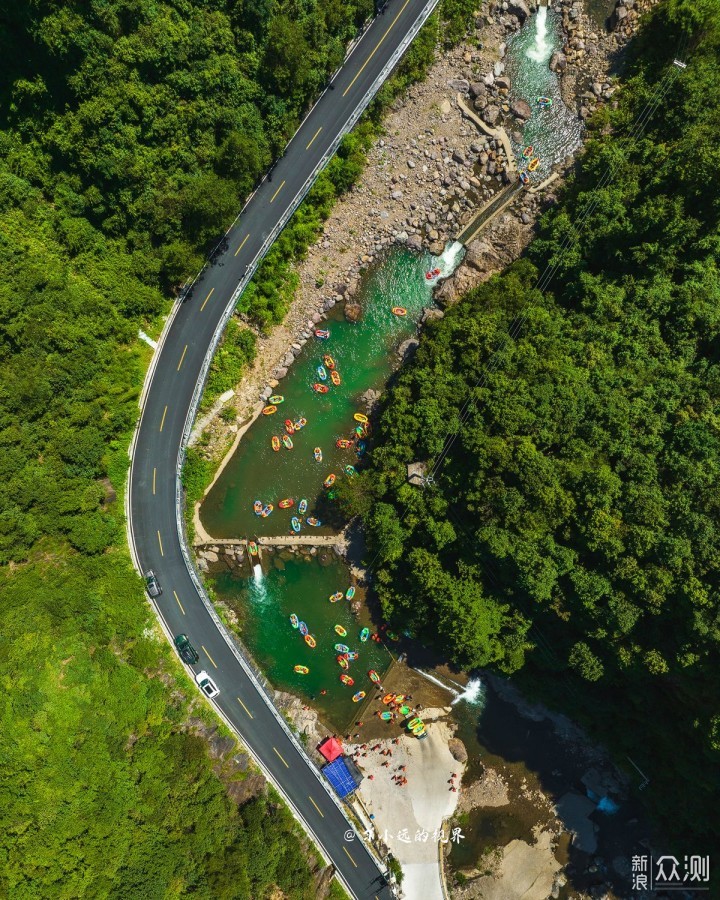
(303, 587)
(364, 353)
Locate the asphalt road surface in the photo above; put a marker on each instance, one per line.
(177, 368)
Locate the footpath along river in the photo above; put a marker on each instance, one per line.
(364, 355)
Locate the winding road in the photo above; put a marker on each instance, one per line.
(168, 407)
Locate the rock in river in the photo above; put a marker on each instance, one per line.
(518, 8)
(353, 312)
(520, 109)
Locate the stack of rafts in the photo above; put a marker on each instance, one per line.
(417, 727)
(340, 771)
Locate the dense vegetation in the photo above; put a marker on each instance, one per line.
(104, 793)
(574, 523)
(129, 133)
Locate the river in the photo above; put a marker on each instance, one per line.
(301, 582)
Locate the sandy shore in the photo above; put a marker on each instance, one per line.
(409, 818)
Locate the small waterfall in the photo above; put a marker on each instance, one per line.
(474, 693)
(450, 259)
(257, 573)
(541, 50)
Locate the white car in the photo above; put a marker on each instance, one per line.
(207, 685)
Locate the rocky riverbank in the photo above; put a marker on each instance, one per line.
(426, 177)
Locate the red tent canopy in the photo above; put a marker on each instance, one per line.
(330, 748)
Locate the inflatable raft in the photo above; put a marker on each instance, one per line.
(275, 442)
(322, 333)
(269, 410)
(302, 507)
(342, 648)
(276, 399)
(346, 679)
(364, 635)
(315, 523)
(343, 443)
(359, 417)
(359, 696)
(320, 388)
(310, 640)
(317, 453)
(329, 481)
(295, 524)
(399, 311)
(286, 503)
(303, 628)
(302, 670)
(374, 677)
(287, 441)
(329, 362)
(341, 631)
(350, 593)
(336, 596)
(267, 510)
(342, 662)
(257, 507)
(321, 373)
(294, 621)
(335, 378)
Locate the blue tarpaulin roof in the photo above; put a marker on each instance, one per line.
(341, 777)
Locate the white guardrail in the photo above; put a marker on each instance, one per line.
(240, 653)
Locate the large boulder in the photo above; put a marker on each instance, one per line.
(408, 347)
(618, 17)
(353, 312)
(558, 62)
(503, 82)
(478, 89)
(457, 748)
(491, 114)
(519, 8)
(520, 109)
(459, 84)
(480, 256)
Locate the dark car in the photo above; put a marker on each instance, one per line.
(186, 650)
(152, 584)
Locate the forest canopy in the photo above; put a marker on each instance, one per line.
(130, 132)
(574, 521)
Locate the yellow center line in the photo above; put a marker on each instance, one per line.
(160, 542)
(313, 137)
(373, 54)
(316, 807)
(283, 761)
(206, 299)
(182, 357)
(350, 857)
(209, 657)
(179, 603)
(154, 472)
(245, 708)
(281, 187)
(163, 418)
(242, 245)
